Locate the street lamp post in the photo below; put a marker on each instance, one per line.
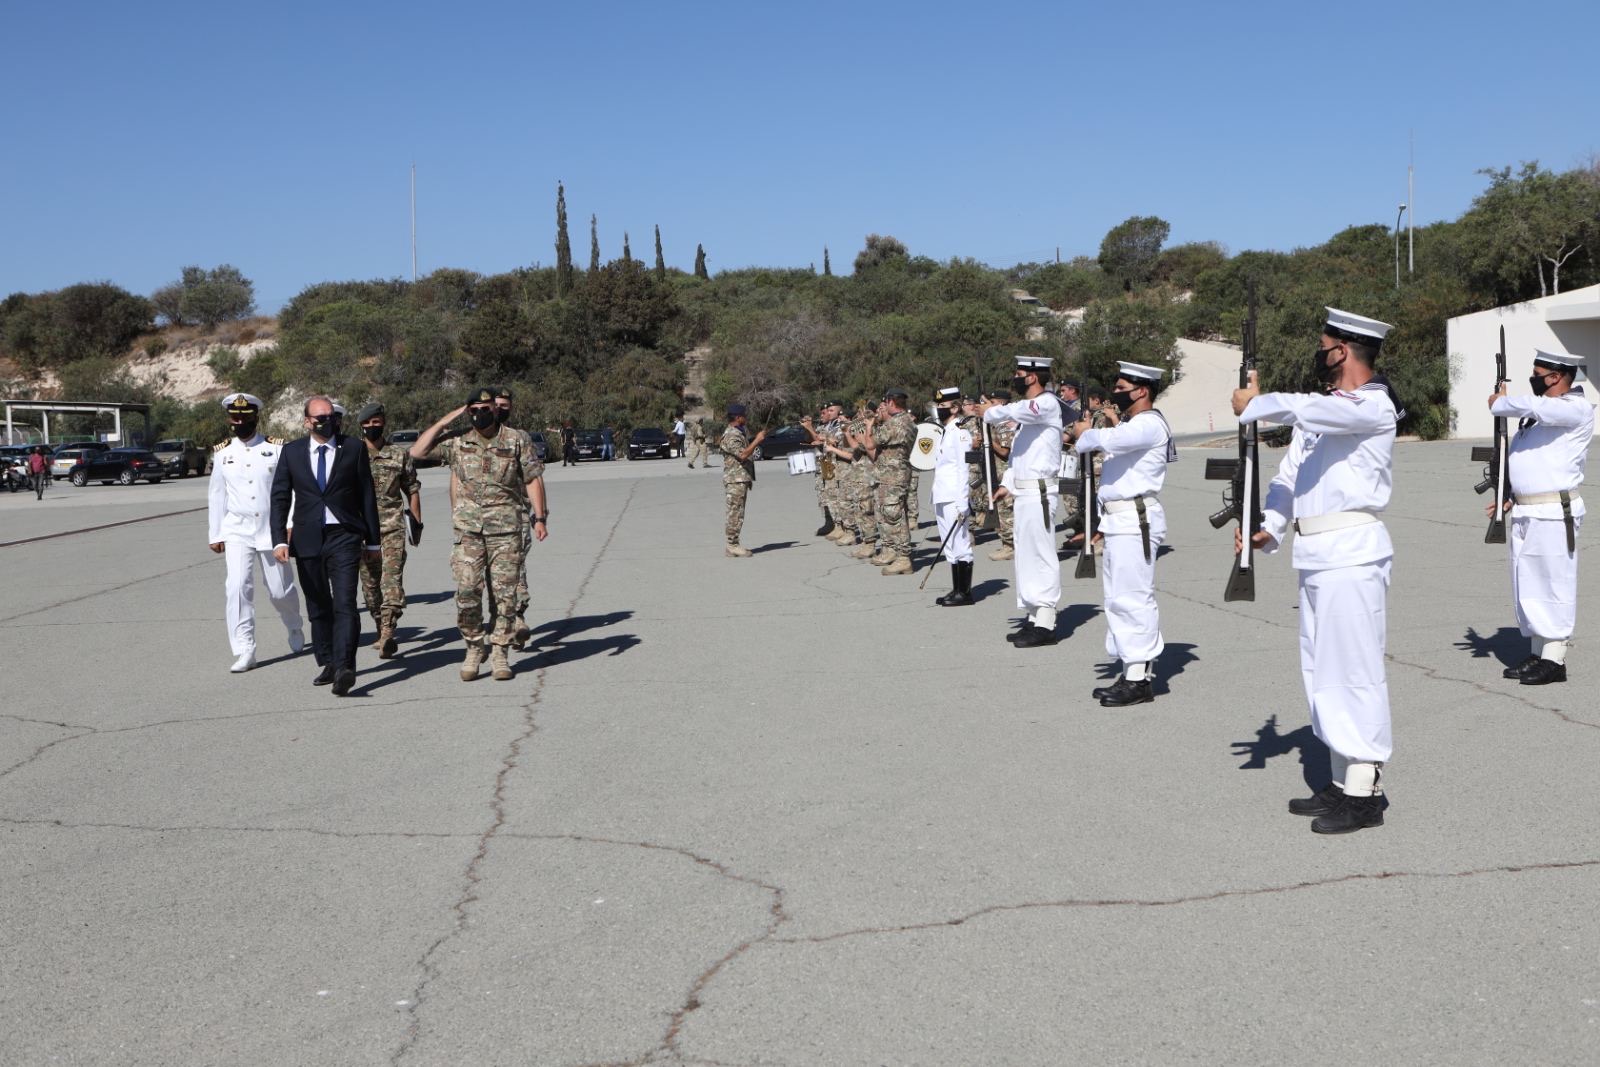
(1398, 215)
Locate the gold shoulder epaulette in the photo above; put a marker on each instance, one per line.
(220, 445)
(274, 440)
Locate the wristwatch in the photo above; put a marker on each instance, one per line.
(545, 518)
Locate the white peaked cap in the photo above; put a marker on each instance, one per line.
(247, 398)
(1033, 362)
(1561, 359)
(949, 393)
(1359, 325)
(338, 409)
(1138, 372)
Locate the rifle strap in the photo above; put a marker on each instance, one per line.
(1566, 518)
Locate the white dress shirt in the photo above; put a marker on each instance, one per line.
(1036, 450)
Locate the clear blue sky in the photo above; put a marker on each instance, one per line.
(138, 138)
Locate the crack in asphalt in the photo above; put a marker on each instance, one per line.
(42, 749)
(1167, 902)
(428, 964)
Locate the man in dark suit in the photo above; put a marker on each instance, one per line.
(335, 520)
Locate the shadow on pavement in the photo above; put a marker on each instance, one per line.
(1506, 644)
(571, 652)
(1269, 744)
(385, 672)
(558, 630)
(773, 547)
(989, 587)
(431, 598)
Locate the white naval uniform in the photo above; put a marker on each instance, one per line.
(951, 496)
(1338, 463)
(240, 514)
(1136, 452)
(1034, 478)
(1547, 456)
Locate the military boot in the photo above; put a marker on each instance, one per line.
(474, 660)
(736, 551)
(1004, 552)
(1351, 814)
(1322, 802)
(842, 535)
(864, 550)
(897, 565)
(386, 642)
(882, 558)
(500, 664)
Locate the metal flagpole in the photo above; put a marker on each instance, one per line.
(413, 222)
(1411, 198)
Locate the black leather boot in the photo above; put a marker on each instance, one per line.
(1352, 814)
(827, 523)
(1543, 672)
(960, 594)
(1517, 670)
(1035, 637)
(1322, 802)
(1016, 635)
(1126, 693)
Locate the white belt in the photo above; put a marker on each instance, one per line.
(1038, 485)
(1111, 507)
(1334, 520)
(1546, 498)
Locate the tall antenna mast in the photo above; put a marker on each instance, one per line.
(413, 222)
(1411, 198)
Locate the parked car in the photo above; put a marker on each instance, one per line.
(586, 445)
(66, 456)
(121, 465)
(649, 441)
(781, 442)
(407, 438)
(181, 456)
(540, 445)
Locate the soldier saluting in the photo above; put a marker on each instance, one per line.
(1331, 486)
(1546, 464)
(494, 469)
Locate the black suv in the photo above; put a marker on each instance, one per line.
(586, 444)
(121, 465)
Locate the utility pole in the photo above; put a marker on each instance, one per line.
(413, 222)
(1411, 198)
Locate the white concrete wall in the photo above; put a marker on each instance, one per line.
(1568, 322)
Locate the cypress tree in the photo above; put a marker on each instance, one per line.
(700, 262)
(827, 264)
(563, 245)
(661, 262)
(594, 244)
(627, 253)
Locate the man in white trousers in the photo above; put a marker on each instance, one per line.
(1545, 466)
(1137, 447)
(240, 524)
(1033, 481)
(952, 499)
(1332, 484)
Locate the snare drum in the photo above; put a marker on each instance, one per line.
(802, 463)
(1069, 465)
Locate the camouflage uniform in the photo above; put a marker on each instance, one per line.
(394, 479)
(1072, 495)
(697, 444)
(862, 487)
(737, 478)
(490, 517)
(828, 494)
(893, 439)
(1003, 436)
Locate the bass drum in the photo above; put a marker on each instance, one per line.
(924, 448)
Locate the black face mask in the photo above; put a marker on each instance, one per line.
(1019, 385)
(1123, 399)
(372, 433)
(1539, 384)
(325, 426)
(244, 430)
(483, 418)
(1320, 367)
(944, 414)
(501, 415)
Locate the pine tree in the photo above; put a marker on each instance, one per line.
(700, 262)
(827, 264)
(627, 253)
(563, 245)
(661, 262)
(594, 244)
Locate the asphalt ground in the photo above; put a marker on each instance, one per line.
(780, 810)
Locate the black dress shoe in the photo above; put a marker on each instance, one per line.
(1517, 670)
(1016, 634)
(1544, 672)
(1101, 690)
(324, 677)
(1035, 637)
(342, 681)
(1126, 693)
(1352, 814)
(1322, 802)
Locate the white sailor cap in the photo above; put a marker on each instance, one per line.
(339, 410)
(241, 403)
(1139, 372)
(948, 393)
(1560, 361)
(1033, 362)
(1356, 327)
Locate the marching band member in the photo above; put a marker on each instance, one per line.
(951, 498)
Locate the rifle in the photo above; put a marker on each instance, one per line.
(1088, 506)
(1496, 475)
(1242, 498)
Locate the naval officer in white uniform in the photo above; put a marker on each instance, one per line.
(952, 498)
(1545, 467)
(1137, 448)
(1331, 486)
(1033, 481)
(240, 513)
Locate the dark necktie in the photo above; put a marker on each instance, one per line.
(322, 467)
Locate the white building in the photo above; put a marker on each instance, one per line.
(1568, 322)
